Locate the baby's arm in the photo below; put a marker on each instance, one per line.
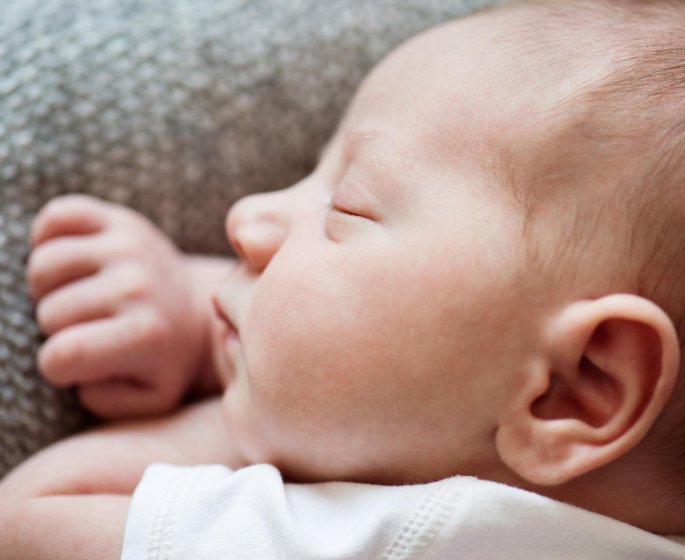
(64, 528)
(127, 316)
(71, 500)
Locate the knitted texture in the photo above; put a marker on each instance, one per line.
(173, 107)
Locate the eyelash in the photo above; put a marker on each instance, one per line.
(334, 208)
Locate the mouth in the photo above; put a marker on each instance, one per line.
(231, 331)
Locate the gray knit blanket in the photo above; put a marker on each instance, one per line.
(173, 107)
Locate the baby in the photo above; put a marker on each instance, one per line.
(483, 277)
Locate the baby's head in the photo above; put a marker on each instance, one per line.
(484, 274)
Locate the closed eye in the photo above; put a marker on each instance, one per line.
(333, 207)
(344, 220)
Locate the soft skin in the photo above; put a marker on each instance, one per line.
(379, 300)
(53, 505)
(124, 311)
(390, 327)
(382, 323)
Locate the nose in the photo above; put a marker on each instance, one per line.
(256, 226)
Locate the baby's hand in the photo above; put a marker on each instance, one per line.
(114, 298)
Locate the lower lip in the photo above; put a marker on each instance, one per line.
(230, 337)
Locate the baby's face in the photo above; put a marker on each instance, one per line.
(380, 303)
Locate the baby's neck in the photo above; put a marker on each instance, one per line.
(632, 495)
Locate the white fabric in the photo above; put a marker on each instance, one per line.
(213, 513)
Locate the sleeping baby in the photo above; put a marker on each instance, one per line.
(459, 336)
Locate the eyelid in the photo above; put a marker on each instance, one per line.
(341, 210)
(348, 199)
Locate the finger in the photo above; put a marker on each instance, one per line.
(124, 398)
(74, 214)
(98, 350)
(80, 301)
(59, 261)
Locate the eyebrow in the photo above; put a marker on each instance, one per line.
(367, 153)
(352, 141)
(356, 139)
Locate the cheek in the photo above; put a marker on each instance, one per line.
(342, 361)
(342, 348)
(320, 352)
(306, 327)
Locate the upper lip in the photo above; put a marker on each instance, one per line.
(221, 314)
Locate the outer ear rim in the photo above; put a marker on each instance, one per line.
(532, 447)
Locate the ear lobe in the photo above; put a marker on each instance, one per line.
(609, 368)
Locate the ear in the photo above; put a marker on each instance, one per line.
(608, 367)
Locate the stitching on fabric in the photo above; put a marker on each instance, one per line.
(161, 534)
(422, 527)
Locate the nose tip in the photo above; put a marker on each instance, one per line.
(256, 242)
(257, 226)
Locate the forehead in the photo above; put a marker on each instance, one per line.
(392, 123)
(419, 110)
(419, 95)
(462, 87)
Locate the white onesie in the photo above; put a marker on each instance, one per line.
(213, 513)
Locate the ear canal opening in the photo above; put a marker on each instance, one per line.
(592, 397)
(599, 394)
